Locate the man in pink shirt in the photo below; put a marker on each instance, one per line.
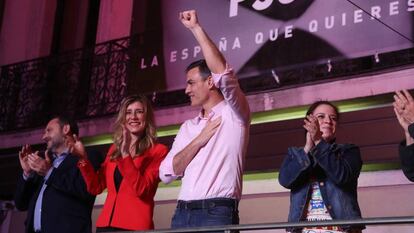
(208, 151)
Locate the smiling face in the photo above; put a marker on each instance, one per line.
(197, 88)
(327, 118)
(135, 118)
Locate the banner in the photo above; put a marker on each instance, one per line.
(261, 35)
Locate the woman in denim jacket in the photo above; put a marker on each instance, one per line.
(323, 175)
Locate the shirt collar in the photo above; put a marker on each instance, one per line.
(58, 159)
(216, 110)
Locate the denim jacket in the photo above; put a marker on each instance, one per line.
(336, 167)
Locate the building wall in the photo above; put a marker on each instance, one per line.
(114, 19)
(27, 30)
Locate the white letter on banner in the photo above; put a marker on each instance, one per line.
(184, 54)
(286, 1)
(197, 50)
(375, 12)
(258, 38)
(343, 19)
(410, 3)
(261, 5)
(329, 22)
(223, 44)
(143, 66)
(154, 61)
(394, 8)
(313, 26)
(358, 16)
(288, 31)
(273, 34)
(234, 6)
(236, 43)
(173, 56)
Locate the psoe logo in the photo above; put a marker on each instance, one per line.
(258, 5)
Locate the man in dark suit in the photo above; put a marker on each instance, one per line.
(51, 188)
(404, 110)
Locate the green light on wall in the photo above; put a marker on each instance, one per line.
(168, 130)
(269, 116)
(97, 140)
(299, 112)
(273, 175)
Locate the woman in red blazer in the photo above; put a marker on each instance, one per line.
(130, 170)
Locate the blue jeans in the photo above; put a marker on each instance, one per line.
(209, 212)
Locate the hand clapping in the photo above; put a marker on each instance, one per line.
(38, 164)
(314, 135)
(404, 106)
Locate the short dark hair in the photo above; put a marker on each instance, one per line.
(313, 106)
(205, 72)
(74, 129)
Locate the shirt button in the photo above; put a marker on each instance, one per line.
(321, 184)
(329, 207)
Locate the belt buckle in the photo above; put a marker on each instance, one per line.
(188, 205)
(211, 204)
(185, 205)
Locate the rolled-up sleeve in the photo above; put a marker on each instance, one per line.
(229, 86)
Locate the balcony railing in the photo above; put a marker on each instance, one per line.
(81, 83)
(271, 226)
(91, 82)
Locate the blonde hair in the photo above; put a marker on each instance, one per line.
(149, 136)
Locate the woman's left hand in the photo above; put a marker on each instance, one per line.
(75, 146)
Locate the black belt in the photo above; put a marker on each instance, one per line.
(207, 203)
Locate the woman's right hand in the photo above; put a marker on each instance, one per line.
(312, 126)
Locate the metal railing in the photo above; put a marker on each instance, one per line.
(284, 225)
(81, 83)
(91, 82)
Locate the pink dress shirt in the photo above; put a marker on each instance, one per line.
(217, 169)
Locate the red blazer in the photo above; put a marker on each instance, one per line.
(133, 206)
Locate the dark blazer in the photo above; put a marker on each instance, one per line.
(407, 160)
(66, 205)
(407, 156)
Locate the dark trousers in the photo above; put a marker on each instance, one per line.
(208, 212)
